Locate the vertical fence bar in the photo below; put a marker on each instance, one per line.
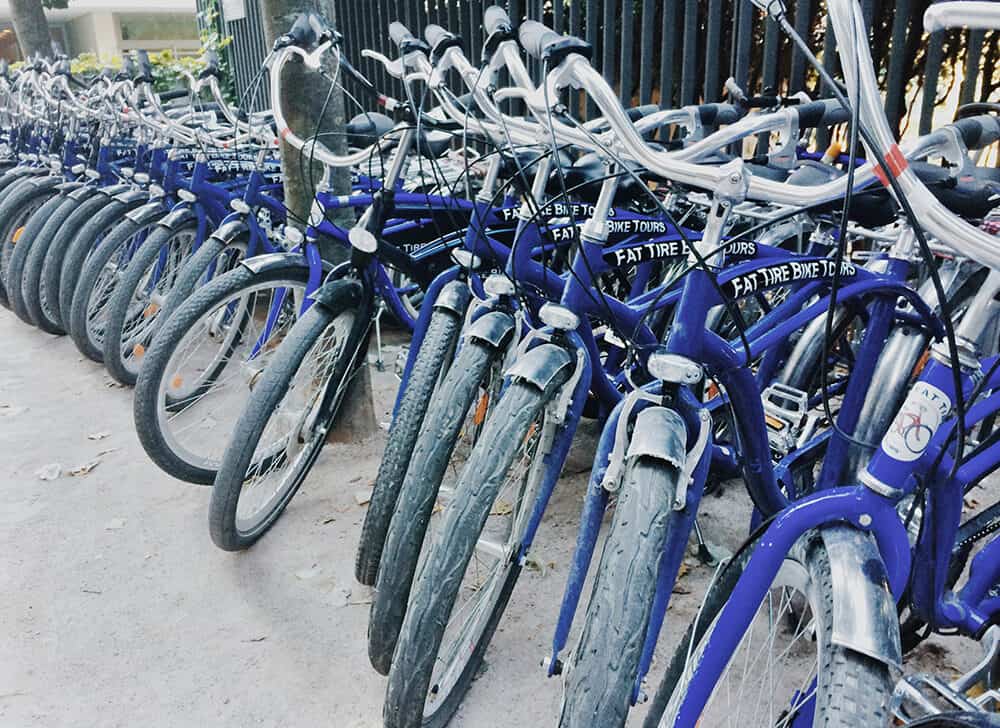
(713, 48)
(803, 21)
(973, 56)
(558, 15)
(608, 48)
(646, 52)
(831, 62)
(592, 23)
(744, 39)
(772, 50)
(689, 53)
(667, 53)
(575, 29)
(932, 69)
(628, 40)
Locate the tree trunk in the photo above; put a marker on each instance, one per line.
(31, 27)
(303, 95)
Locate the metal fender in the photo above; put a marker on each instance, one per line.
(453, 297)
(178, 216)
(132, 196)
(659, 433)
(68, 187)
(541, 366)
(143, 213)
(44, 183)
(864, 612)
(270, 261)
(339, 294)
(494, 328)
(229, 231)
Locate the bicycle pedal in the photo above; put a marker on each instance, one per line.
(786, 412)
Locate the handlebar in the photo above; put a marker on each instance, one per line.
(978, 132)
(495, 19)
(825, 112)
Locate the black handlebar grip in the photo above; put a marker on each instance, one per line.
(535, 38)
(718, 114)
(495, 18)
(435, 34)
(826, 112)
(978, 131)
(301, 33)
(399, 33)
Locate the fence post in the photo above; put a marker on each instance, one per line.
(972, 57)
(625, 67)
(667, 53)
(713, 47)
(932, 68)
(689, 53)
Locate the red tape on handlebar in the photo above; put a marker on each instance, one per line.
(895, 162)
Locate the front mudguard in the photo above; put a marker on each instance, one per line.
(660, 433)
(542, 366)
(338, 295)
(271, 261)
(147, 213)
(179, 216)
(454, 297)
(494, 328)
(864, 612)
(229, 232)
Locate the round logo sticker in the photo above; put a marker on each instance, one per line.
(918, 419)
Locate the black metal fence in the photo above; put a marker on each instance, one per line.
(675, 52)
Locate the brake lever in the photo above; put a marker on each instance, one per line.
(393, 68)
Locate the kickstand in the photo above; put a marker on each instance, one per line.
(705, 554)
(379, 363)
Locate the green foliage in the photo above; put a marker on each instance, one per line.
(169, 68)
(54, 4)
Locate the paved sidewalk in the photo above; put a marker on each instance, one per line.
(117, 610)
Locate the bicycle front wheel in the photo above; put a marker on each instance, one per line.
(785, 666)
(470, 571)
(206, 360)
(284, 425)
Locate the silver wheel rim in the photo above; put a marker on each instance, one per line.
(763, 685)
(291, 433)
(188, 419)
(488, 568)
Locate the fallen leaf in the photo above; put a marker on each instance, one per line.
(256, 639)
(102, 453)
(308, 573)
(86, 468)
(98, 435)
(49, 472)
(501, 508)
(91, 591)
(384, 426)
(115, 524)
(361, 497)
(7, 410)
(329, 520)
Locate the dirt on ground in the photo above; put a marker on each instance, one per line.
(117, 610)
